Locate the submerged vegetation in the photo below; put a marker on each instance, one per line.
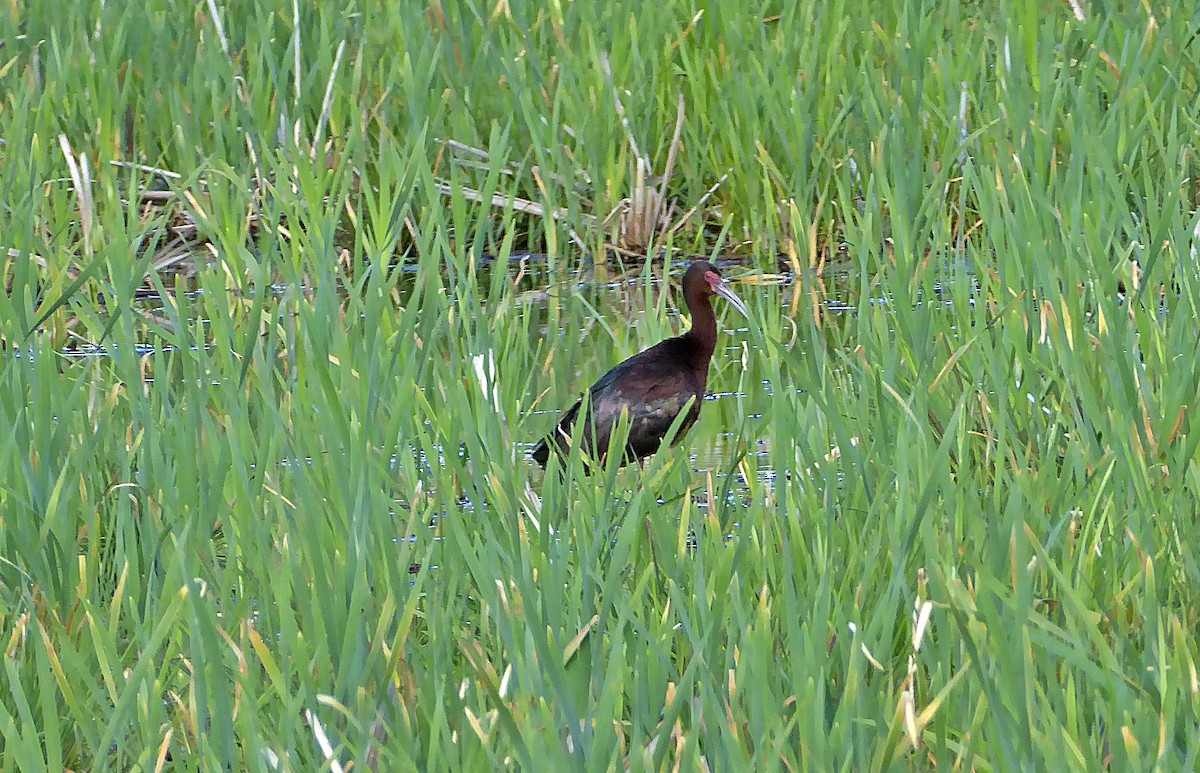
(292, 287)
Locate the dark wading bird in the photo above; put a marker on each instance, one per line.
(653, 386)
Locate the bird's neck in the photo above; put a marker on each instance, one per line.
(703, 333)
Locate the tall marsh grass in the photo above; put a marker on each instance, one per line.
(272, 362)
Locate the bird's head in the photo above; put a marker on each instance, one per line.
(710, 282)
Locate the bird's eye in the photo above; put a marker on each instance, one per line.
(714, 280)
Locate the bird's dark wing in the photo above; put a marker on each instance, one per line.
(653, 387)
(652, 410)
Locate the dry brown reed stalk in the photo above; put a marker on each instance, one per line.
(636, 223)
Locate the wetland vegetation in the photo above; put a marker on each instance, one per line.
(292, 288)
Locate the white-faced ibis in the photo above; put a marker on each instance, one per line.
(653, 386)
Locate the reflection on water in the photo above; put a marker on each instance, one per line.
(633, 306)
(603, 316)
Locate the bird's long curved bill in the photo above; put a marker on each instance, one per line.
(728, 294)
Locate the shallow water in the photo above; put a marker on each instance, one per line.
(618, 298)
(732, 417)
(611, 320)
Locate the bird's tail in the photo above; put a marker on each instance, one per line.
(541, 453)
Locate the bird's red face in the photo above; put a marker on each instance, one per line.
(714, 280)
(717, 286)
